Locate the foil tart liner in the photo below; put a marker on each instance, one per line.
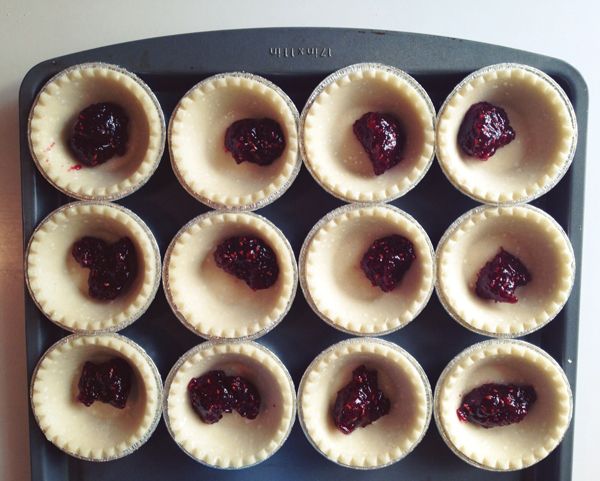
(125, 192)
(315, 229)
(367, 340)
(554, 86)
(467, 352)
(157, 266)
(452, 229)
(253, 205)
(209, 345)
(169, 294)
(157, 379)
(334, 77)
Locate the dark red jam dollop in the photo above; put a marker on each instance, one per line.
(484, 129)
(500, 277)
(387, 260)
(494, 405)
(360, 402)
(108, 382)
(214, 393)
(250, 259)
(100, 133)
(259, 141)
(383, 139)
(113, 267)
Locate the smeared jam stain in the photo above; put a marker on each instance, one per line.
(259, 141)
(75, 167)
(113, 267)
(360, 402)
(492, 405)
(215, 393)
(49, 147)
(250, 259)
(383, 138)
(484, 129)
(500, 277)
(387, 260)
(99, 134)
(108, 382)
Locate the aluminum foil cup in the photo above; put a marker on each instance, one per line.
(200, 187)
(52, 384)
(543, 119)
(503, 374)
(235, 358)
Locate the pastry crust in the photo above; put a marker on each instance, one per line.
(517, 446)
(334, 156)
(200, 293)
(526, 232)
(233, 442)
(335, 285)
(99, 432)
(55, 111)
(59, 285)
(196, 142)
(546, 135)
(390, 438)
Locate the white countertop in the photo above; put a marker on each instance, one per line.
(37, 30)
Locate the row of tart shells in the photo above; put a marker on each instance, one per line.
(538, 109)
(102, 433)
(199, 292)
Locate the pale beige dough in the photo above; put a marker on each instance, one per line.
(388, 439)
(59, 285)
(234, 441)
(213, 303)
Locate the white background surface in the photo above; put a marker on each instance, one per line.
(37, 30)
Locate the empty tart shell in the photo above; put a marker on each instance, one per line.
(59, 285)
(545, 128)
(213, 303)
(233, 442)
(336, 158)
(335, 285)
(197, 142)
(388, 439)
(524, 231)
(99, 432)
(55, 111)
(519, 445)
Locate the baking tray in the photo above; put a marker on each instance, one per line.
(296, 59)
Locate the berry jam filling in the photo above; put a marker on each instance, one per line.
(112, 266)
(484, 129)
(383, 139)
(108, 382)
(99, 134)
(360, 402)
(500, 277)
(494, 405)
(387, 260)
(250, 259)
(259, 141)
(214, 393)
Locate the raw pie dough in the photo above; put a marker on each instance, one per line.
(55, 111)
(213, 303)
(546, 135)
(524, 231)
(517, 446)
(335, 285)
(59, 285)
(232, 442)
(100, 432)
(333, 154)
(388, 439)
(197, 135)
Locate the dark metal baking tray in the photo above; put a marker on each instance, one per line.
(296, 59)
